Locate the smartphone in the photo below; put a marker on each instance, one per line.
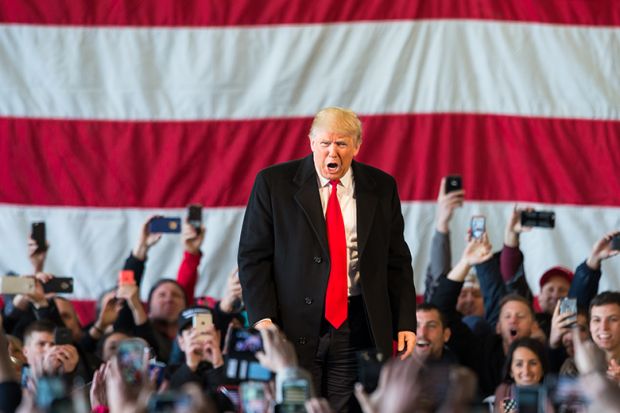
(165, 225)
(130, 358)
(615, 243)
(201, 322)
(478, 226)
(194, 215)
(38, 235)
(241, 362)
(253, 397)
(126, 277)
(453, 183)
(61, 285)
(50, 389)
(169, 402)
(25, 376)
(62, 335)
(295, 392)
(158, 369)
(369, 364)
(17, 285)
(542, 219)
(569, 305)
(531, 399)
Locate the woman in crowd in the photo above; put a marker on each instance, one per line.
(526, 365)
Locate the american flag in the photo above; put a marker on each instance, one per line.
(111, 111)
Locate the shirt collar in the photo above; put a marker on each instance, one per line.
(346, 181)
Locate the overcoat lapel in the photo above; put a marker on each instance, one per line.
(309, 200)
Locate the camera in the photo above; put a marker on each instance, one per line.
(453, 183)
(543, 219)
(241, 362)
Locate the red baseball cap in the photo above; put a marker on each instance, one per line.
(556, 272)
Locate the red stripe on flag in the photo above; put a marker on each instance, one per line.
(170, 164)
(266, 12)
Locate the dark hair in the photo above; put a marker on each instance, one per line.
(604, 298)
(535, 346)
(516, 297)
(101, 342)
(433, 307)
(38, 326)
(165, 281)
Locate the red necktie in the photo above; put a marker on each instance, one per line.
(337, 290)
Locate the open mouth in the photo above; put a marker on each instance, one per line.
(513, 332)
(332, 166)
(422, 344)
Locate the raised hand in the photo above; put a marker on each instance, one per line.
(601, 250)
(446, 204)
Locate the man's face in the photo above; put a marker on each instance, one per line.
(37, 344)
(551, 292)
(167, 302)
(69, 317)
(567, 337)
(470, 302)
(515, 321)
(431, 335)
(605, 327)
(333, 153)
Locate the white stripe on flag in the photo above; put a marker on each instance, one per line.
(278, 71)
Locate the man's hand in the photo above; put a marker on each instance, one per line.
(478, 250)
(601, 250)
(446, 204)
(560, 324)
(406, 343)
(146, 240)
(194, 349)
(192, 238)
(212, 350)
(233, 292)
(514, 227)
(278, 353)
(37, 256)
(63, 357)
(613, 370)
(129, 293)
(98, 396)
(109, 312)
(398, 389)
(588, 357)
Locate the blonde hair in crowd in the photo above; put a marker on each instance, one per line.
(337, 120)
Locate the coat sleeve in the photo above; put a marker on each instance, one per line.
(256, 254)
(400, 273)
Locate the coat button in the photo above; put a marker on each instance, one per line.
(308, 300)
(302, 340)
(318, 260)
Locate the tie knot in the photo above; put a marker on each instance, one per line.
(334, 182)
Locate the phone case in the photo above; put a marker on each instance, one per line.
(17, 285)
(63, 285)
(165, 225)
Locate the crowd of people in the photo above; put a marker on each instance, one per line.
(482, 339)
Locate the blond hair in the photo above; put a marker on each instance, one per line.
(337, 120)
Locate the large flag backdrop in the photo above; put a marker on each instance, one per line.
(112, 111)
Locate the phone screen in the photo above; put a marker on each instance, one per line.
(241, 362)
(130, 356)
(478, 226)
